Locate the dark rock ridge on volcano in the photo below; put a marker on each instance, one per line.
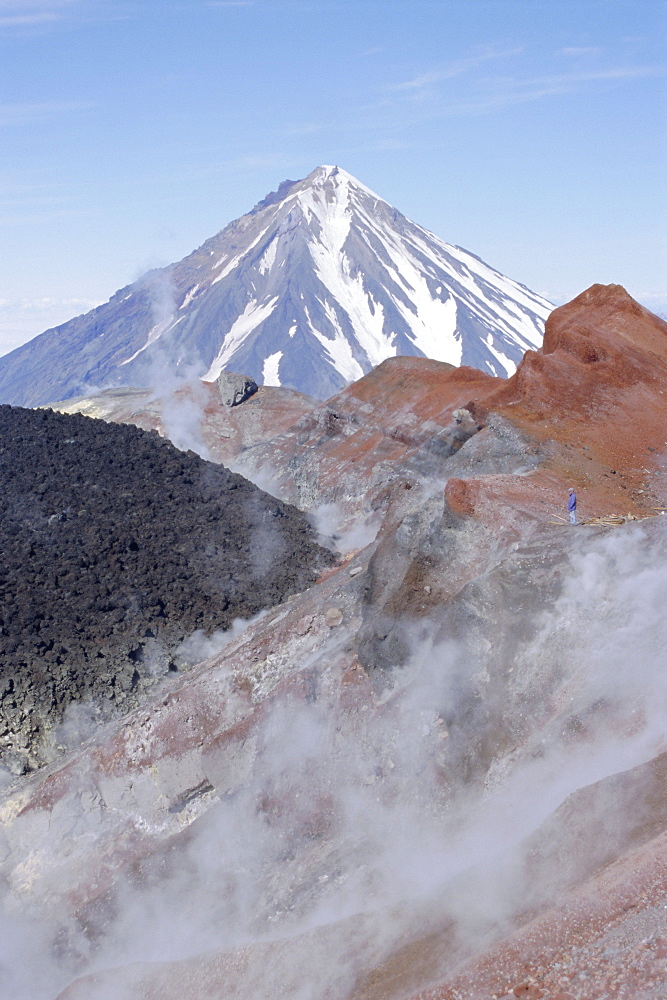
(115, 547)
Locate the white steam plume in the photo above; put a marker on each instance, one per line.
(350, 835)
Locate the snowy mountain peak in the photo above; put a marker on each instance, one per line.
(327, 187)
(341, 180)
(320, 282)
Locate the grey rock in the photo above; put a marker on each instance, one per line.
(235, 389)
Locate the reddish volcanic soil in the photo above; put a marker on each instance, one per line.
(598, 390)
(607, 939)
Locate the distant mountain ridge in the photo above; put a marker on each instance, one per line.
(314, 287)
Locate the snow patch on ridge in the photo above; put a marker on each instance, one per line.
(270, 374)
(508, 366)
(189, 297)
(156, 332)
(338, 348)
(336, 266)
(502, 311)
(251, 317)
(268, 257)
(431, 320)
(351, 183)
(333, 269)
(236, 260)
(515, 293)
(332, 204)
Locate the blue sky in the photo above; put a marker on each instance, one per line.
(530, 132)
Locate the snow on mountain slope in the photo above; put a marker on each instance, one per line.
(318, 284)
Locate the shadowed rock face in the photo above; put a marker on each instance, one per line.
(437, 773)
(115, 547)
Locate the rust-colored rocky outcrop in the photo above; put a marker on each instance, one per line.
(595, 396)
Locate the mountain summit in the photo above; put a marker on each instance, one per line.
(315, 286)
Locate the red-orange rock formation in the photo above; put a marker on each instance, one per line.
(597, 390)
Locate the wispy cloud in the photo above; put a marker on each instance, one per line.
(17, 13)
(304, 128)
(451, 70)
(435, 88)
(45, 303)
(579, 51)
(31, 199)
(34, 204)
(465, 87)
(23, 319)
(247, 165)
(494, 94)
(23, 112)
(26, 20)
(260, 161)
(655, 301)
(29, 6)
(26, 14)
(614, 73)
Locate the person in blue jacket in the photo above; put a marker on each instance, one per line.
(572, 505)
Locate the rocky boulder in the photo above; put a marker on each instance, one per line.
(235, 389)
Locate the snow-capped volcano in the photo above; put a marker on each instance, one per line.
(319, 283)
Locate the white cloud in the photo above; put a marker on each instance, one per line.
(44, 13)
(656, 302)
(21, 20)
(580, 50)
(436, 87)
(259, 161)
(19, 112)
(453, 69)
(23, 319)
(496, 93)
(500, 93)
(26, 12)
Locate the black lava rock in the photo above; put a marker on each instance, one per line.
(115, 547)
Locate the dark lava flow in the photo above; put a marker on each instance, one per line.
(115, 547)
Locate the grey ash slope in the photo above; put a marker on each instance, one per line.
(318, 284)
